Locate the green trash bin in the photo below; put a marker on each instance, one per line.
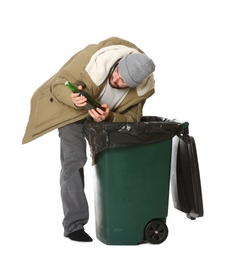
(133, 162)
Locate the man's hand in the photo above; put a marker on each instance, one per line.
(79, 101)
(99, 115)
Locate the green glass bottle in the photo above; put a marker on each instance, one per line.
(91, 102)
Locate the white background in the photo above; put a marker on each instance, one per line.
(187, 41)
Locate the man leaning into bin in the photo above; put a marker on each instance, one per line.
(116, 73)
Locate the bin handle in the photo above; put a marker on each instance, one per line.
(184, 125)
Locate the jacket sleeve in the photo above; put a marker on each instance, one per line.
(133, 114)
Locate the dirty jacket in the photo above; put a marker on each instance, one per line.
(51, 105)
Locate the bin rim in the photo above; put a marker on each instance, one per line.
(104, 135)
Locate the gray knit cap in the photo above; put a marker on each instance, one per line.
(134, 68)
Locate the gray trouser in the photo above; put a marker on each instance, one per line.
(73, 159)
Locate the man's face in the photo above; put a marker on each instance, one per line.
(116, 81)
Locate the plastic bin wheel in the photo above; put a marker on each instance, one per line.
(156, 232)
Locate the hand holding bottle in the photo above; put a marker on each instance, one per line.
(99, 115)
(82, 99)
(89, 102)
(78, 100)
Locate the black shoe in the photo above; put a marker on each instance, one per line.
(80, 235)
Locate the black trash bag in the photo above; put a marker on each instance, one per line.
(150, 129)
